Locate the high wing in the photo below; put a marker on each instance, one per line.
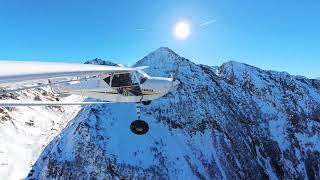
(12, 72)
(15, 103)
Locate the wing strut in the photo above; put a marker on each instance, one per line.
(38, 86)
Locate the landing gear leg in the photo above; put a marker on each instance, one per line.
(138, 110)
(139, 126)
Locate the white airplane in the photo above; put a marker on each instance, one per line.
(111, 84)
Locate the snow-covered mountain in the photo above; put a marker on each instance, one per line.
(229, 122)
(98, 61)
(25, 131)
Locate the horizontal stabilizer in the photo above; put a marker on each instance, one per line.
(45, 103)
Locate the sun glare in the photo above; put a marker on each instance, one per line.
(182, 30)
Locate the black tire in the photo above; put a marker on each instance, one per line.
(139, 127)
(146, 103)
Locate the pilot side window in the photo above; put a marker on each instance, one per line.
(107, 80)
(126, 84)
(120, 80)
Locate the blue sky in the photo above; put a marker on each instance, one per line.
(280, 35)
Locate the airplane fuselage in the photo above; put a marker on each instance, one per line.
(152, 88)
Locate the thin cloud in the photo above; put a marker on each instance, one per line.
(208, 22)
(140, 29)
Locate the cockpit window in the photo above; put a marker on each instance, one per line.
(120, 80)
(143, 79)
(126, 79)
(107, 80)
(126, 84)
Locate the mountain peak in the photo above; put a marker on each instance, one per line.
(98, 61)
(237, 65)
(165, 50)
(161, 56)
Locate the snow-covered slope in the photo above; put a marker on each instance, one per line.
(25, 131)
(231, 122)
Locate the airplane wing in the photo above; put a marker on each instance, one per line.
(12, 72)
(16, 103)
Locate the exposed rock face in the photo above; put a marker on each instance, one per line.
(98, 61)
(231, 122)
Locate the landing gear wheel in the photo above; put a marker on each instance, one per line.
(139, 127)
(146, 103)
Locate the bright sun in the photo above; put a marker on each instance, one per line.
(182, 30)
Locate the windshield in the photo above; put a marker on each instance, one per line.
(142, 76)
(126, 79)
(120, 80)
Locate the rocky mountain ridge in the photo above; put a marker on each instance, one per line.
(237, 122)
(230, 122)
